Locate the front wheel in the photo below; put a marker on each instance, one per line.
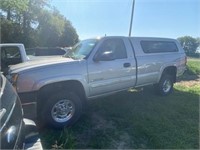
(165, 86)
(62, 109)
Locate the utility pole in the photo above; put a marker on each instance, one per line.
(130, 29)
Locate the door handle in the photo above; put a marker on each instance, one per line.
(126, 65)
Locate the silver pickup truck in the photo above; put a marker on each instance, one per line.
(60, 86)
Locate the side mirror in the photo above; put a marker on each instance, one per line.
(105, 56)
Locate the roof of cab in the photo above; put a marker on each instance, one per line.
(139, 38)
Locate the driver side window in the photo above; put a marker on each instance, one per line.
(115, 46)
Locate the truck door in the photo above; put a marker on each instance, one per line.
(112, 68)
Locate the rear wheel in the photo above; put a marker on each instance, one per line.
(62, 109)
(165, 86)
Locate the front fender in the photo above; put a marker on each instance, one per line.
(43, 82)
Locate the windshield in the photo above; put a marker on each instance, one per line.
(82, 49)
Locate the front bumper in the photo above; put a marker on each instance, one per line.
(32, 140)
(29, 104)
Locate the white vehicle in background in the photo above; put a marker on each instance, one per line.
(15, 53)
(11, 54)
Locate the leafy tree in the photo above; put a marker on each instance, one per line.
(189, 44)
(198, 41)
(50, 28)
(10, 31)
(69, 36)
(35, 23)
(55, 30)
(30, 21)
(13, 7)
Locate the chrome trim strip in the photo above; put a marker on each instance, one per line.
(18, 135)
(3, 85)
(8, 118)
(31, 103)
(2, 113)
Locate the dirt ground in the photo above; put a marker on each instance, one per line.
(191, 81)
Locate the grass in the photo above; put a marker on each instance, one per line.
(135, 119)
(193, 66)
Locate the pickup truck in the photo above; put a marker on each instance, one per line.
(58, 88)
(11, 54)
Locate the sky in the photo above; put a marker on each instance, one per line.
(152, 18)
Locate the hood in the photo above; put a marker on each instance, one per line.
(31, 57)
(38, 63)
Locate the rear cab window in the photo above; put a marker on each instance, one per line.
(158, 46)
(10, 55)
(10, 52)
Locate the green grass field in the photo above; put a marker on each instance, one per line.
(193, 66)
(136, 119)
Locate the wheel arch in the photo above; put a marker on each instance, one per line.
(170, 70)
(70, 85)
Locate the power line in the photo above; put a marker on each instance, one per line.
(130, 29)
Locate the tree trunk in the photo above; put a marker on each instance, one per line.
(8, 14)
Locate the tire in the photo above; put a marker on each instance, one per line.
(62, 109)
(165, 85)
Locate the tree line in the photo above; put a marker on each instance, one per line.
(190, 45)
(35, 23)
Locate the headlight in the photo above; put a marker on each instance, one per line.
(13, 80)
